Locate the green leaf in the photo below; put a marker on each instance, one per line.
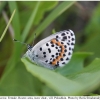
(92, 32)
(54, 80)
(43, 7)
(30, 22)
(16, 27)
(16, 21)
(75, 84)
(94, 22)
(17, 52)
(89, 77)
(20, 83)
(75, 65)
(52, 16)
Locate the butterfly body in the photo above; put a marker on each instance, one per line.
(54, 51)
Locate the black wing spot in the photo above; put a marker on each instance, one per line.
(72, 43)
(57, 40)
(67, 58)
(65, 37)
(61, 59)
(68, 43)
(36, 55)
(44, 52)
(59, 50)
(69, 48)
(67, 32)
(44, 56)
(47, 44)
(62, 43)
(64, 55)
(71, 34)
(52, 55)
(40, 48)
(57, 36)
(73, 39)
(46, 61)
(52, 45)
(65, 46)
(50, 63)
(65, 50)
(49, 50)
(50, 58)
(57, 65)
(69, 37)
(56, 53)
(56, 47)
(63, 63)
(62, 34)
(69, 53)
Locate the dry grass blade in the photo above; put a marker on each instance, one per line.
(2, 36)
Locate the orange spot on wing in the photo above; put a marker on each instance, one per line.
(62, 51)
(59, 44)
(63, 48)
(54, 62)
(53, 41)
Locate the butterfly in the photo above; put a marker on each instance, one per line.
(54, 51)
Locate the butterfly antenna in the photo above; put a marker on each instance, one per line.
(34, 39)
(28, 46)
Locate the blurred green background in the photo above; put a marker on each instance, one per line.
(20, 77)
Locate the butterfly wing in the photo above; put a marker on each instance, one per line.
(55, 50)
